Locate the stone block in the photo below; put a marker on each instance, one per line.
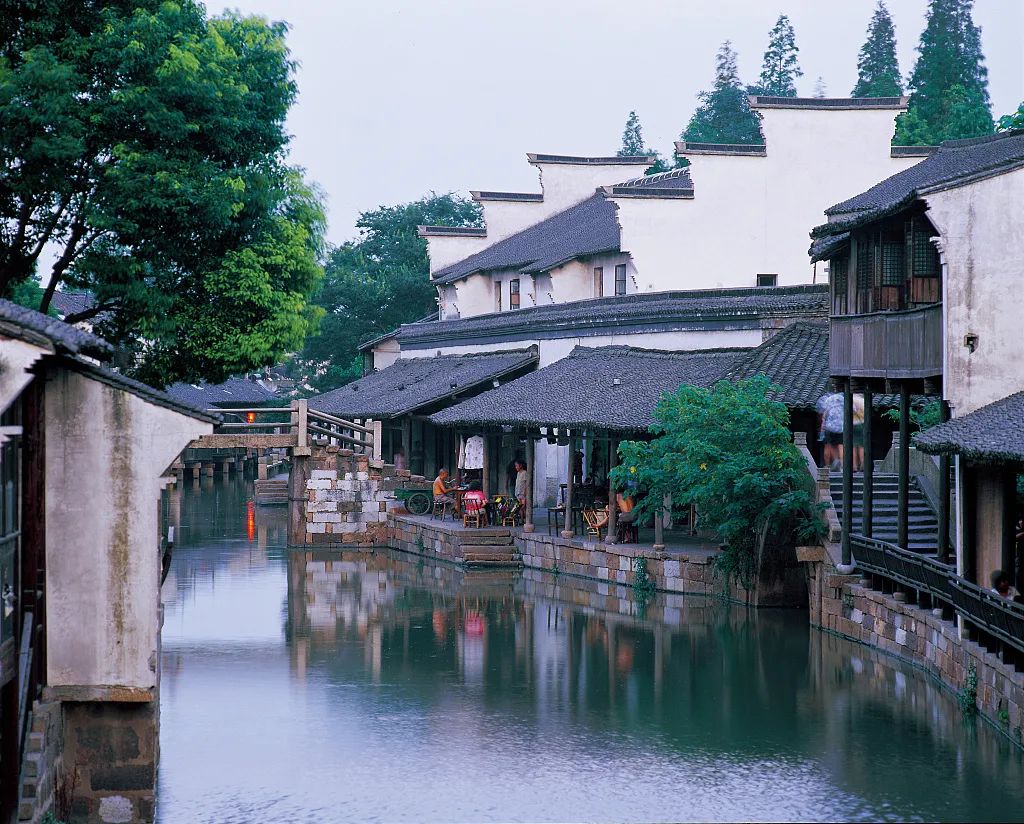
(122, 778)
(326, 517)
(313, 528)
(625, 564)
(116, 809)
(321, 474)
(672, 568)
(322, 483)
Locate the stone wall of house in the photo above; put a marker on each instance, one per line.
(42, 764)
(348, 497)
(110, 756)
(843, 605)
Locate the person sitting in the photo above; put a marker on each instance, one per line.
(1002, 587)
(442, 489)
(626, 520)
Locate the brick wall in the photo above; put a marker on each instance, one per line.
(348, 498)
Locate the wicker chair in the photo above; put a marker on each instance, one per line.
(596, 520)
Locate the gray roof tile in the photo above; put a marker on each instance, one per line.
(587, 228)
(795, 360)
(991, 434)
(411, 384)
(650, 311)
(579, 391)
(234, 391)
(35, 327)
(955, 161)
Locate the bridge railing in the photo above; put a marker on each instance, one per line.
(300, 426)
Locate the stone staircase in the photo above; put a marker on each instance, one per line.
(490, 547)
(271, 493)
(922, 524)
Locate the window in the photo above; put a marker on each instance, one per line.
(838, 275)
(598, 281)
(768, 280)
(513, 294)
(620, 279)
(497, 296)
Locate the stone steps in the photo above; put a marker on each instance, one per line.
(922, 522)
(269, 493)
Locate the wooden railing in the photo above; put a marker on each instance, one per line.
(296, 426)
(999, 617)
(897, 345)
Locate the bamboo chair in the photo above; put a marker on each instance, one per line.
(596, 520)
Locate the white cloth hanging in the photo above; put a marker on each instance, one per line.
(474, 457)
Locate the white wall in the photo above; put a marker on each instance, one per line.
(105, 452)
(506, 217)
(444, 250)
(981, 227)
(752, 215)
(386, 353)
(474, 295)
(16, 358)
(566, 184)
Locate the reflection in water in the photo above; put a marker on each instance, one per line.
(381, 687)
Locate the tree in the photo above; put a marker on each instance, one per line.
(820, 89)
(1012, 121)
(633, 146)
(376, 283)
(142, 143)
(724, 115)
(728, 450)
(780, 69)
(878, 70)
(949, 86)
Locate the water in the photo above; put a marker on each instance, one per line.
(331, 687)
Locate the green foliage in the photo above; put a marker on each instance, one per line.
(50, 818)
(820, 89)
(145, 143)
(1012, 121)
(878, 70)
(923, 416)
(376, 283)
(724, 115)
(1004, 717)
(643, 583)
(949, 86)
(29, 293)
(967, 697)
(632, 138)
(780, 69)
(727, 450)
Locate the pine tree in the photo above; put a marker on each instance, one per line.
(632, 138)
(949, 86)
(724, 115)
(820, 89)
(878, 70)
(780, 70)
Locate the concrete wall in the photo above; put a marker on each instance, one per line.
(506, 217)
(106, 451)
(444, 250)
(751, 215)
(982, 271)
(473, 296)
(566, 184)
(16, 360)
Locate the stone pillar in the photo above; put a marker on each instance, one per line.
(903, 496)
(208, 469)
(297, 497)
(567, 531)
(867, 504)
(943, 552)
(847, 472)
(531, 454)
(659, 524)
(261, 468)
(613, 504)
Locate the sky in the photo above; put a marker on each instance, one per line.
(398, 98)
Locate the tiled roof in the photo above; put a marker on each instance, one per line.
(371, 342)
(410, 384)
(525, 197)
(451, 231)
(587, 228)
(35, 327)
(142, 390)
(573, 160)
(650, 311)
(71, 303)
(675, 183)
(689, 147)
(825, 247)
(769, 102)
(956, 161)
(580, 391)
(234, 391)
(992, 434)
(795, 360)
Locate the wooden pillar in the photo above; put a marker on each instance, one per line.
(847, 554)
(1008, 561)
(407, 441)
(613, 504)
(867, 503)
(943, 551)
(903, 496)
(567, 531)
(530, 455)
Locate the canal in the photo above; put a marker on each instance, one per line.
(332, 687)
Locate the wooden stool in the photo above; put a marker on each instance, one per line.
(439, 508)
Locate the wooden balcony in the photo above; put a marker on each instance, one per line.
(902, 345)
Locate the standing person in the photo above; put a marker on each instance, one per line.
(521, 482)
(830, 419)
(858, 432)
